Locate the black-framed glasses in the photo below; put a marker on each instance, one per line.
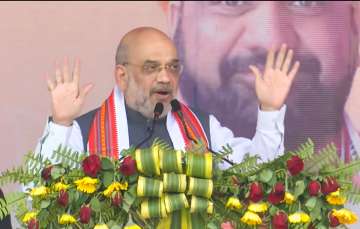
(153, 67)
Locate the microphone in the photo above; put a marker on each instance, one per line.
(159, 108)
(175, 107)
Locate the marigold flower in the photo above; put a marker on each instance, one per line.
(39, 191)
(258, 207)
(60, 186)
(86, 184)
(66, 219)
(251, 218)
(116, 186)
(233, 203)
(29, 216)
(132, 227)
(101, 226)
(345, 216)
(289, 198)
(335, 198)
(299, 217)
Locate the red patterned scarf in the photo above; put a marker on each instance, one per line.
(103, 137)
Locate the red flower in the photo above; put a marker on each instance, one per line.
(63, 198)
(256, 192)
(329, 185)
(85, 214)
(279, 188)
(91, 165)
(333, 221)
(295, 165)
(313, 188)
(116, 199)
(46, 173)
(128, 166)
(278, 193)
(33, 224)
(280, 220)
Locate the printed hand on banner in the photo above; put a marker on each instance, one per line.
(273, 86)
(352, 105)
(66, 96)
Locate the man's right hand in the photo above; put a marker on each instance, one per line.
(66, 96)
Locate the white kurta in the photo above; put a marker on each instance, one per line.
(268, 141)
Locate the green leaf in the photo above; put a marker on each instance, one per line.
(45, 204)
(212, 225)
(273, 209)
(266, 175)
(299, 188)
(116, 227)
(310, 203)
(57, 172)
(321, 226)
(129, 198)
(108, 178)
(107, 164)
(95, 204)
(252, 178)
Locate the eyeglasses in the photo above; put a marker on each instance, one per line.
(150, 68)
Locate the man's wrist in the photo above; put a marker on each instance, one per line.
(66, 123)
(268, 108)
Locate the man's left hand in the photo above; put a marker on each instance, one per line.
(273, 86)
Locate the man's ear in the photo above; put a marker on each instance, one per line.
(174, 14)
(121, 77)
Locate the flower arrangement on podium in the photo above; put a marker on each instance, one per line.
(160, 187)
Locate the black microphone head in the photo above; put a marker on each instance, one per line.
(159, 107)
(175, 105)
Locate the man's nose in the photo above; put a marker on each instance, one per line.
(163, 75)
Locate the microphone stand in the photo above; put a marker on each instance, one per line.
(159, 107)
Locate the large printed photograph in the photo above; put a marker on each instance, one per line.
(218, 40)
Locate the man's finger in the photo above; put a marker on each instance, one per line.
(85, 90)
(287, 62)
(269, 60)
(51, 85)
(66, 74)
(294, 70)
(255, 71)
(76, 72)
(357, 73)
(280, 57)
(58, 77)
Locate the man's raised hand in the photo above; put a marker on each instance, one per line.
(273, 86)
(67, 97)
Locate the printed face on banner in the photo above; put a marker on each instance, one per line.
(218, 40)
